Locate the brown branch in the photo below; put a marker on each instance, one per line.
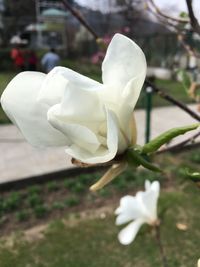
(193, 20)
(160, 246)
(180, 20)
(164, 19)
(77, 15)
(190, 50)
(172, 100)
(176, 26)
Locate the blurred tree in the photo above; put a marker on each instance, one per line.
(18, 14)
(20, 8)
(132, 11)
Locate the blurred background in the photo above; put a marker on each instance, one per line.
(40, 24)
(48, 217)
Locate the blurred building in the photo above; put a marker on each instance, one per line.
(50, 27)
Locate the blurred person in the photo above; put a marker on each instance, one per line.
(18, 58)
(13, 53)
(32, 61)
(50, 60)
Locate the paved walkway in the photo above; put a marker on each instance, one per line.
(20, 160)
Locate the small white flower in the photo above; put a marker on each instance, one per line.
(93, 120)
(198, 263)
(139, 209)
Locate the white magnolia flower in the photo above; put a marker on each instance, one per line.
(139, 210)
(64, 108)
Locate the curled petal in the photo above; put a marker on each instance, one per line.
(123, 62)
(106, 151)
(19, 101)
(124, 70)
(78, 105)
(58, 80)
(77, 134)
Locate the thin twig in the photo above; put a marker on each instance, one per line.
(190, 50)
(172, 100)
(193, 20)
(180, 20)
(168, 19)
(161, 19)
(77, 15)
(160, 246)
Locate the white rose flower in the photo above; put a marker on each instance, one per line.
(64, 108)
(139, 209)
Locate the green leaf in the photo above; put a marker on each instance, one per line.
(165, 137)
(185, 79)
(183, 15)
(135, 159)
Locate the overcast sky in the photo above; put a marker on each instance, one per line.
(172, 6)
(175, 6)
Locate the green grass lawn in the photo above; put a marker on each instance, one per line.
(74, 240)
(93, 241)
(172, 87)
(5, 77)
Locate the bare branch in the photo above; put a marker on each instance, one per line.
(161, 19)
(160, 246)
(193, 20)
(172, 22)
(157, 9)
(172, 100)
(77, 15)
(190, 50)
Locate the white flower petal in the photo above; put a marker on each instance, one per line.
(104, 153)
(58, 79)
(128, 234)
(19, 101)
(128, 210)
(77, 134)
(75, 105)
(124, 70)
(82, 106)
(148, 201)
(123, 62)
(155, 186)
(125, 110)
(147, 185)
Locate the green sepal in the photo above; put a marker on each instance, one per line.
(135, 159)
(165, 137)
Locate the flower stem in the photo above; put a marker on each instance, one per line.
(160, 246)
